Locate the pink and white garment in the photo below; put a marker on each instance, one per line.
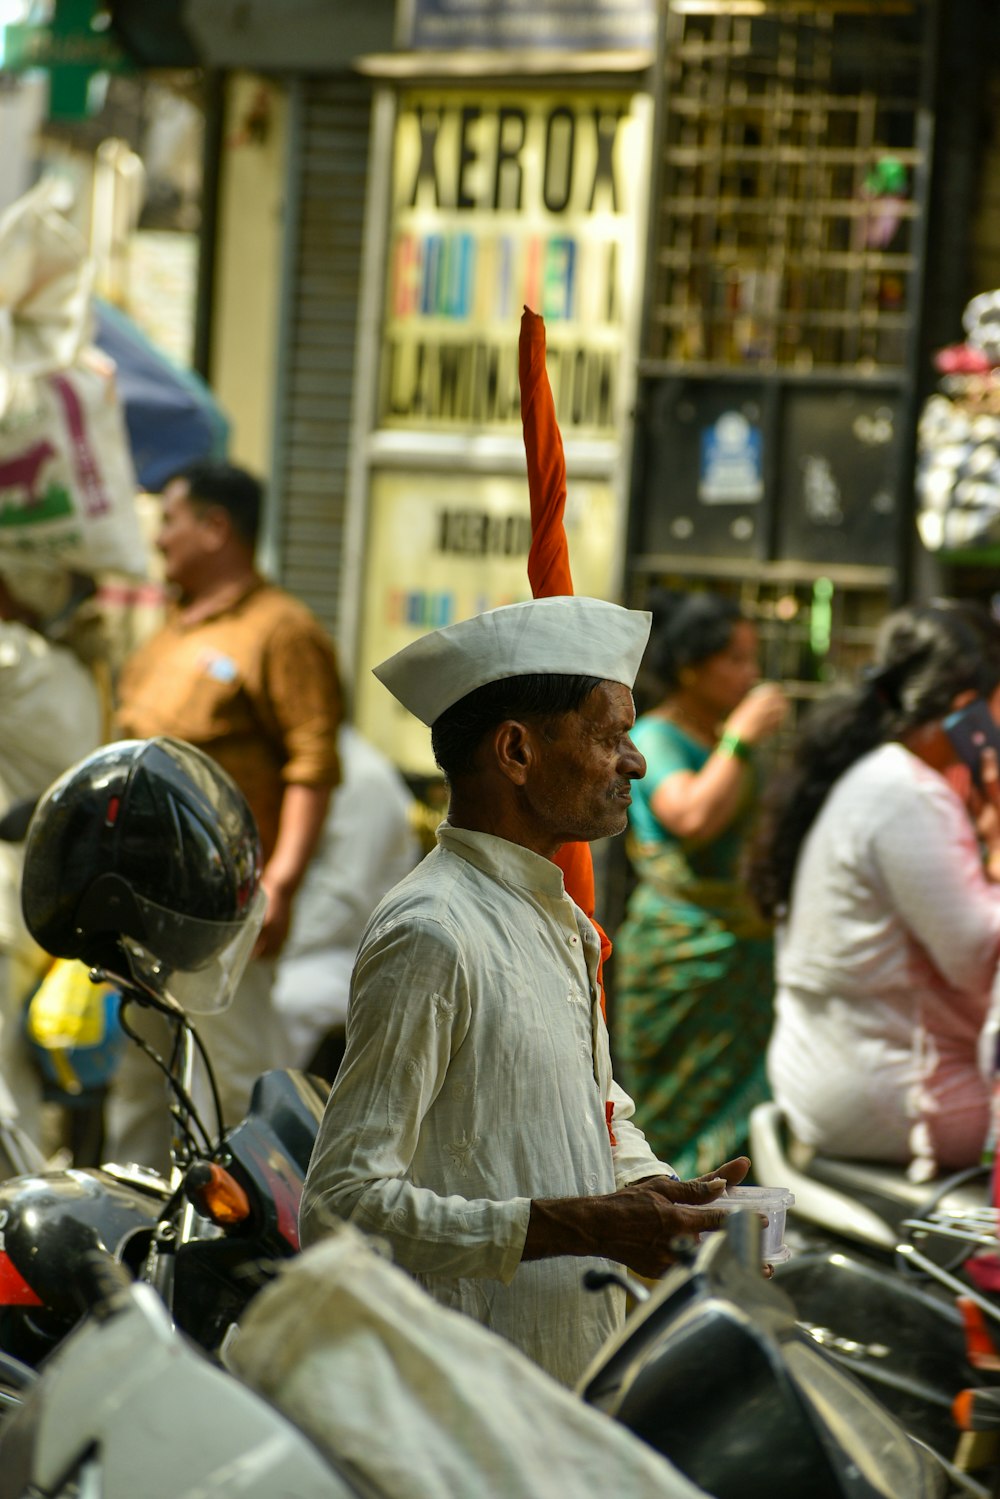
(885, 963)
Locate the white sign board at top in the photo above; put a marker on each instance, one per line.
(552, 25)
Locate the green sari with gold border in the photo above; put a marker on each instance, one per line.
(693, 976)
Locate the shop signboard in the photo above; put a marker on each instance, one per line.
(501, 200)
(552, 25)
(442, 548)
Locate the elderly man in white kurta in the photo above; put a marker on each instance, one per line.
(475, 1123)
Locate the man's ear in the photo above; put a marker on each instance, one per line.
(216, 527)
(513, 745)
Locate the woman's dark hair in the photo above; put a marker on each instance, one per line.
(924, 656)
(687, 628)
(458, 732)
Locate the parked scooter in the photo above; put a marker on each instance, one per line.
(143, 861)
(711, 1372)
(715, 1371)
(127, 1407)
(884, 1277)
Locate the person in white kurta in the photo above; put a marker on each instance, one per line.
(884, 970)
(887, 901)
(474, 1122)
(51, 717)
(367, 844)
(477, 1078)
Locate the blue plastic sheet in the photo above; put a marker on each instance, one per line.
(171, 414)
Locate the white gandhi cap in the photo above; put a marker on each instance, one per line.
(570, 636)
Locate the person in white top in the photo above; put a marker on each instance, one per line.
(474, 1123)
(51, 717)
(888, 914)
(367, 845)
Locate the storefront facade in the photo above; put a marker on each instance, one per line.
(497, 198)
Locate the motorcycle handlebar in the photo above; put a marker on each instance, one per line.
(96, 1277)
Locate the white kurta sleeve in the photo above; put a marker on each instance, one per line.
(930, 861)
(633, 1158)
(408, 1014)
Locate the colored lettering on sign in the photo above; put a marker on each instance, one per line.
(426, 611)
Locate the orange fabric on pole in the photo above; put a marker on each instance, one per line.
(548, 560)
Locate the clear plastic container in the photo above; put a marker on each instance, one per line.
(773, 1203)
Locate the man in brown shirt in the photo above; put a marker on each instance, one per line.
(246, 672)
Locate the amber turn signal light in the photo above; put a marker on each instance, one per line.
(217, 1195)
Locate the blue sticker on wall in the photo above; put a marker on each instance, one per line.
(731, 467)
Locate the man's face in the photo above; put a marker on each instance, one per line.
(581, 788)
(183, 537)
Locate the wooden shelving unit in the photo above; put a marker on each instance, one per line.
(792, 158)
(782, 310)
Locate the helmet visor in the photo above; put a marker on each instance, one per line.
(203, 961)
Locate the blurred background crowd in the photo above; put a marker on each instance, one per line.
(298, 241)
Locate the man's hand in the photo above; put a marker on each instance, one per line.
(985, 808)
(760, 714)
(635, 1225)
(303, 810)
(277, 918)
(732, 1172)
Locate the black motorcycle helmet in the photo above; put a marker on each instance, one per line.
(147, 851)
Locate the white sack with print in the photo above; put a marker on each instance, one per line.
(67, 482)
(416, 1401)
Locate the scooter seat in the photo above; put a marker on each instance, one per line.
(888, 1191)
(861, 1200)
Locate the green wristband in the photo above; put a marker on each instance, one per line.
(732, 746)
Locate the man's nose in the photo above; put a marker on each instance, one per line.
(633, 762)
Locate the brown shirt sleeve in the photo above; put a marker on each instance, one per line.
(302, 689)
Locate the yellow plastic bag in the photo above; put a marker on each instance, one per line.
(72, 1028)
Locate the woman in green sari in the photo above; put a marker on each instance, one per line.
(694, 976)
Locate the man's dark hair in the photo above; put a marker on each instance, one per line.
(458, 732)
(232, 489)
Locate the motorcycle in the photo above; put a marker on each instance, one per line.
(142, 863)
(894, 1278)
(205, 1239)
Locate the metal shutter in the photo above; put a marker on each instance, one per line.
(319, 313)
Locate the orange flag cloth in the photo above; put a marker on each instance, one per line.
(548, 560)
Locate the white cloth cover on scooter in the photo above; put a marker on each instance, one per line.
(422, 1401)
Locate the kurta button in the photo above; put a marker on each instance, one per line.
(574, 941)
